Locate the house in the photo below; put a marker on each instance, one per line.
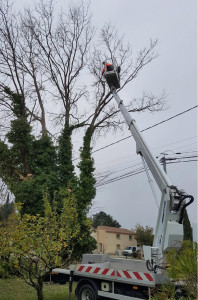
(112, 240)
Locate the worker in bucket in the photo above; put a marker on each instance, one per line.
(109, 67)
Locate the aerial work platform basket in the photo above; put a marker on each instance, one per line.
(111, 74)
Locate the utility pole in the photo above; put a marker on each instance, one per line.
(163, 161)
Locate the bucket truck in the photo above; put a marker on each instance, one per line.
(99, 276)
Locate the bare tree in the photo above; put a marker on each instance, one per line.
(18, 64)
(63, 47)
(111, 46)
(45, 56)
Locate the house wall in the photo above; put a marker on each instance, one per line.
(101, 238)
(112, 243)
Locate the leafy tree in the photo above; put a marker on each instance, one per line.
(6, 209)
(181, 267)
(46, 59)
(103, 219)
(86, 190)
(35, 244)
(26, 155)
(144, 236)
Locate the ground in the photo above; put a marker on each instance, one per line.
(16, 289)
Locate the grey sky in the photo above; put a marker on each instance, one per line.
(173, 23)
(130, 200)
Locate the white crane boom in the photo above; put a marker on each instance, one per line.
(142, 148)
(169, 227)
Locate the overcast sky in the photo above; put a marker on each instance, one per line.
(173, 23)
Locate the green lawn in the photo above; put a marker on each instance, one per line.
(16, 289)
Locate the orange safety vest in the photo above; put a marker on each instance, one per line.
(108, 65)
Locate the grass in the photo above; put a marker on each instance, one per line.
(17, 289)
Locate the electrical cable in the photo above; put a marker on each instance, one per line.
(122, 169)
(176, 162)
(136, 172)
(179, 158)
(120, 178)
(179, 114)
(135, 160)
(128, 173)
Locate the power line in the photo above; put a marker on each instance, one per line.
(124, 163)
(190, 151)
(179, 114)
(136, 172)
(177, 143)
(110, 173)
(120, 178)
(181, 157)
(121, 169)
(176, 162)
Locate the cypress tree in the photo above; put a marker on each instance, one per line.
(87, 190)
(188, 236)
(66, 168)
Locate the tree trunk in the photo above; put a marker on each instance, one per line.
(39, 294)
(39, 289)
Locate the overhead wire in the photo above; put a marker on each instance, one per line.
(163, 147)
(110, 169)
(181, 157)
(138, 171)
(122, 177)
(122, 169)
(176, 162)
(170, 118)
(135, 172)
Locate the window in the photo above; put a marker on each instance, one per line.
(117, 236)
(130, 237)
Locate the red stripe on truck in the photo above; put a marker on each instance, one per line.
(137, 275)
(105, 271)
(118, 274)
(148, 276)
(81, 268)
(96, 270)
(127, 274)
(88, 269)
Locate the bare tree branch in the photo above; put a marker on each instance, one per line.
(55, 65)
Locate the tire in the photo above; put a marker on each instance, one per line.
(86, 292)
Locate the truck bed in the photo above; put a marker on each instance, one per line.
(117, 269)
(98, 266)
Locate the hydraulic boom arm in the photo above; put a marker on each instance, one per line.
(169, 228)
(160, 176)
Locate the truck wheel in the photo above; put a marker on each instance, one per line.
(86, 292)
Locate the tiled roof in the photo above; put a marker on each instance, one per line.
(115, 230)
